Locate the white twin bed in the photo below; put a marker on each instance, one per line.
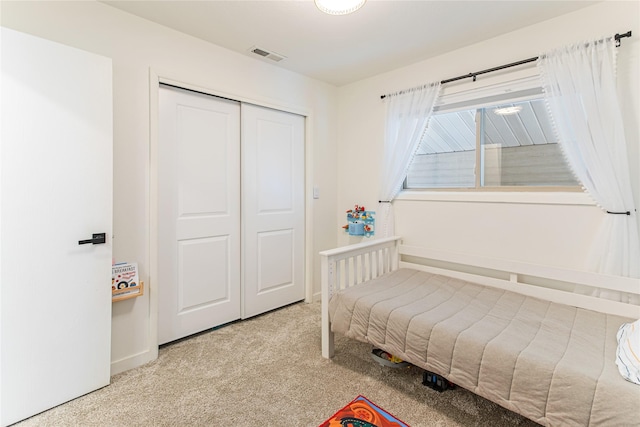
(514, 333)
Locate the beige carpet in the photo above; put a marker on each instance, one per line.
(268, 371)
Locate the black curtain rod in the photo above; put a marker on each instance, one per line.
(473, 76)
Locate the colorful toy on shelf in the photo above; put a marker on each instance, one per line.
(360, 222)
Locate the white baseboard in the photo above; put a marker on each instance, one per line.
(133, 361)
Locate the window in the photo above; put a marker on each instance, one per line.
(506, 144)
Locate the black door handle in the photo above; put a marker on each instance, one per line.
(97, 239)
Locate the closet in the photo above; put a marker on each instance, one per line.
(230, 211)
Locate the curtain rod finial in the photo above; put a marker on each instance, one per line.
(619, 36)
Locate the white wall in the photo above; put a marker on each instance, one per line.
(139, 49)
(554, 229)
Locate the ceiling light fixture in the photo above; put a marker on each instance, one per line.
(339, 7)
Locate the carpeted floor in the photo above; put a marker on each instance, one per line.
(268, 371)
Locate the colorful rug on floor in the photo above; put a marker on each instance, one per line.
(361, 412)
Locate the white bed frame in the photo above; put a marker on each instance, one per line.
(350, 265)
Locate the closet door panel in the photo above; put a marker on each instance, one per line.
(198, 277)
(273, 208)
(275, 259)
(199, 213)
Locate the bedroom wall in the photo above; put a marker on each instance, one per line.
(137, 47)
(548, 228)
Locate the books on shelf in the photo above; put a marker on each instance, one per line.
(125, 281)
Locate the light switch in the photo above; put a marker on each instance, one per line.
(316, 193)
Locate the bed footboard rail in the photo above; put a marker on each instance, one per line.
(350, 265)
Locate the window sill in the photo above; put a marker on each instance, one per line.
(524, 197)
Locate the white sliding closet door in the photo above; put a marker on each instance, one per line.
(273, 209)
(199, 213)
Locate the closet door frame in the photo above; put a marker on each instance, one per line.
(157, 77)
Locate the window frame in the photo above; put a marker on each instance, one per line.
(518, 89)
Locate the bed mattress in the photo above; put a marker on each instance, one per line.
(552, 363)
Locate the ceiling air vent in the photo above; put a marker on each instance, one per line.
(266, 54)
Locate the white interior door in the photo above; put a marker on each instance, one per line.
(273, 208)
(199, 213)
(56, 189)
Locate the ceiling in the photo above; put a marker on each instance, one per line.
(454, 132)
(383, 35)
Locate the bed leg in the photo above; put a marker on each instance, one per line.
(327, 271)
(327, 341)
(327, 335)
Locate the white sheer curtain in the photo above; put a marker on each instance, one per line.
(579, 82)
(407, 117)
